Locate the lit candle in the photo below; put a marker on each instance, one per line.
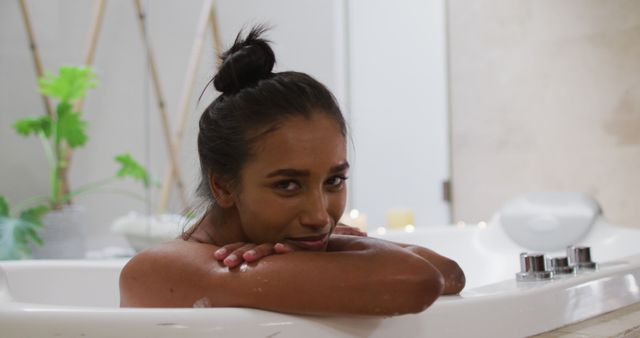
(399, 218)
(355, 218)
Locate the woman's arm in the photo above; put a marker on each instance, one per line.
(454, 279)
(367, 277)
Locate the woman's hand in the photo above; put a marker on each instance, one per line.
(232, 255)
(343, 229)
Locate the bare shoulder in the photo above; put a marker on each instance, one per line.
(164, 274)
(170, 253)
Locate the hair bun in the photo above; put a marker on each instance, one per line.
(248, 61)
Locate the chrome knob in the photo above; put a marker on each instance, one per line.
(532, 267)
(580, 257)
(531, 262)
(559, 265)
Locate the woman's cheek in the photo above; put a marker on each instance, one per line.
(337, 205)
(269, 220)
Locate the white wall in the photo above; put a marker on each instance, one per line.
(397, 60)
(307, 37)
(398, 95)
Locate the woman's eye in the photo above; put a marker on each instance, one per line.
(287, 186)
(336, 181)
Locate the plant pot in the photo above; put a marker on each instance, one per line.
(63, 234)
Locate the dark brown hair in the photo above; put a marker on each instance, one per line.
(253, 101)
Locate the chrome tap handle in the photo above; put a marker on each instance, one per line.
(580, 257)
(559, 265)
(532, 267)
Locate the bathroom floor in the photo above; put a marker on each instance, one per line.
(621, 323)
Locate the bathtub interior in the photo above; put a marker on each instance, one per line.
(485, 253)
(65, 282)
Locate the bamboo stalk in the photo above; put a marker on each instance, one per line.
(164, 116)
(187, 90)
(94, 32)
(215, 34)
(34, 52)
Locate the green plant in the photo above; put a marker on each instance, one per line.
(59, 134)
(16, 232)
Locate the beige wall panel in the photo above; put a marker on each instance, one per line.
(545, 95)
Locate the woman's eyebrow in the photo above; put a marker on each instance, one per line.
(340, 167)
(288, 172)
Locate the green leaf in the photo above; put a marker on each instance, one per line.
(34, 215)
(71, 127)
(14, 237)
(63, 108)
(34, 236)
(131, 168)
(33, 125)
(4, 207)
(70, 84)
(17, 232)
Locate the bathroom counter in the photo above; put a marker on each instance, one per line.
(624, 322)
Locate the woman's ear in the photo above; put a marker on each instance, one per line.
(221, 191)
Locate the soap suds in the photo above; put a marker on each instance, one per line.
(244, 267)
(202, 302)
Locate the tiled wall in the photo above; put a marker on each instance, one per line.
(545, 95)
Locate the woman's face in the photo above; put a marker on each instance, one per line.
(293, 189)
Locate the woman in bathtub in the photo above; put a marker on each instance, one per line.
(273, 157)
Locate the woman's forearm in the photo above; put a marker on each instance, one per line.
(454, 278)
(358, 275)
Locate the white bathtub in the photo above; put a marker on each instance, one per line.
(80, 298)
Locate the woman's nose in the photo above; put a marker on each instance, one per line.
(315, 212)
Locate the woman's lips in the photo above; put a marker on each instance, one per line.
(314, 243)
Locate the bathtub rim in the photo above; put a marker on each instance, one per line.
(441, 317)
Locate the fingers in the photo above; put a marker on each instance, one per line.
(361, 233)
(226, 250)
(281, 248)
(235, 258)
(258, 252)
(342, 229)
(234, 254)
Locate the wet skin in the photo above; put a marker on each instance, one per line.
(292, 192)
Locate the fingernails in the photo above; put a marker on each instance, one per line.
(231, 258)
(250, 253)
(280, 248)
(220, 252)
